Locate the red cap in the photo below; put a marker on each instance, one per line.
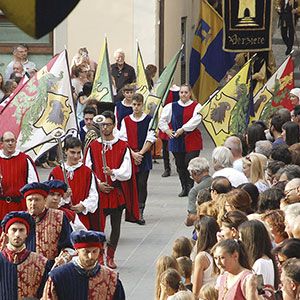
(60, 191)
(16, 220)
(87, 245)
(36, 191)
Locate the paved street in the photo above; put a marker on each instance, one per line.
(140, 246)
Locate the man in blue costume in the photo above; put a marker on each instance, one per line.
(84, 278)
(22, 273)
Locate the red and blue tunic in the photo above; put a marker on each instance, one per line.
(136, 136)
(188, 141)
(121, 111)
(173, 96)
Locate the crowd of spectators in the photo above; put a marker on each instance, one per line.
(244, 211)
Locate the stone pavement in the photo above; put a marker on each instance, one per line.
(140, 246)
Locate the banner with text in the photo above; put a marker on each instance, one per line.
(247, 25)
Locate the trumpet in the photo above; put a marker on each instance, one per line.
(58, 135)
(99, 120)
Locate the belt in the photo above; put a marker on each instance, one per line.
(9, 199)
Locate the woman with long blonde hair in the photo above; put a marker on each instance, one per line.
(253, 168)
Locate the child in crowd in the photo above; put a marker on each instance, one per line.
(162, 264)
(185, 265)
(170, 283)
(208, 292)
(182, 247)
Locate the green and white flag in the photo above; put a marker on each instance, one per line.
(102, 89)
(157, 98)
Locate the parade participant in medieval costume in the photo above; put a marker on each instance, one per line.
(113, 168)
(173, 96)
(52, 228)
(180, 121)
(87, 123)
(123, 108)
(84, 197)
(84, 277)
(16, 170)
(135, 130)
(22, 273)
(57, 190)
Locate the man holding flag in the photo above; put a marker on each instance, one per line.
(180, 121)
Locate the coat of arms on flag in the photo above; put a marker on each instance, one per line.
(43, 104)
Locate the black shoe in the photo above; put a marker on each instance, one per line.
(166, 173)
(183, 193)
(141, 221)
(288, 50)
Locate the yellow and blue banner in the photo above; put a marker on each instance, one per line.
(208, 62)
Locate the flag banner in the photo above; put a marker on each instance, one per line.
(208, 61)
(225, 113)
(156, 100)
(247, 25)
(102, 88)
(142, 86)
(275, 92)
(37, 17)
(22, 82)
(42, 105)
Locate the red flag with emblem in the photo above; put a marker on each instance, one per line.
(40, 106)
(275, 93)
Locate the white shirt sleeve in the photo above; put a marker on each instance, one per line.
(91, 202)
(194, 121)
(165, 118)
(125, 171)
(77, 225)
(151, 137)
(116, 115)
(32, 174)
(123, 132)
(88, 159)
